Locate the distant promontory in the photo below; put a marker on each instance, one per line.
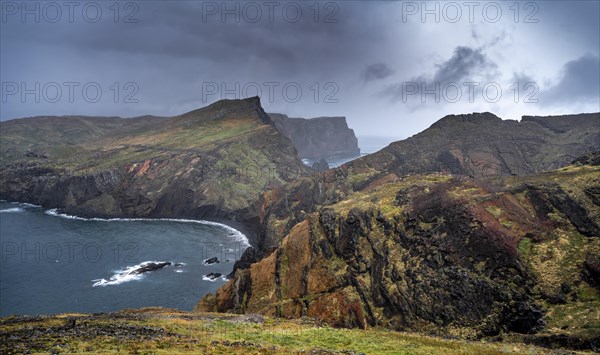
(319, 138)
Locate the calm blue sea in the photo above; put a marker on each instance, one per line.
(52, 263)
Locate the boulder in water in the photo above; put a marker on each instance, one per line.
(150, 267)
(213, 276)
(213, 260)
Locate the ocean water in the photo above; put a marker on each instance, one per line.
(367, 145)
(52, 263)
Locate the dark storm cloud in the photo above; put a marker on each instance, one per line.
(287, 39)
(376, 71)
(464, 62)
(176, 47)
(580, 82)
(465, 65)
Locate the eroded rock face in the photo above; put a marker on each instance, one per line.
(474, 253)
(318, 138)
(364, 269)
(428, 253)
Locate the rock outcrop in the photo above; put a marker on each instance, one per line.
(319, 138)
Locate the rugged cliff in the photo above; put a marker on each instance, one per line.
(442, 254)
(462, 229)
(208, 163)
(319, 138)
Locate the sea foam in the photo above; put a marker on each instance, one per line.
(125, 275)
(12, 210)
(232, 232)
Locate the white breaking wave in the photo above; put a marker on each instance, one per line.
(232, 232)
(222, 278)
(28, 204)
(12, 210)
(25, 204)
(54, 212)
(125, 275)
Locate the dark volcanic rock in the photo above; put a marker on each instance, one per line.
(546, 197)
(320, 137)
(592, 158)
(210, 261)
(592, 269)
(249, 256)
(147, 267)
(213, 275)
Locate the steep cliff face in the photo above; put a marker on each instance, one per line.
(318, 138)
(208, 163)
(437, 253)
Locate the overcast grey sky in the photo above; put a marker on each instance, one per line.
(392, 68)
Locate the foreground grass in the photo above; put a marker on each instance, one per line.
(160, 331)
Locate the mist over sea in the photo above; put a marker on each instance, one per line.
(53, 263)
